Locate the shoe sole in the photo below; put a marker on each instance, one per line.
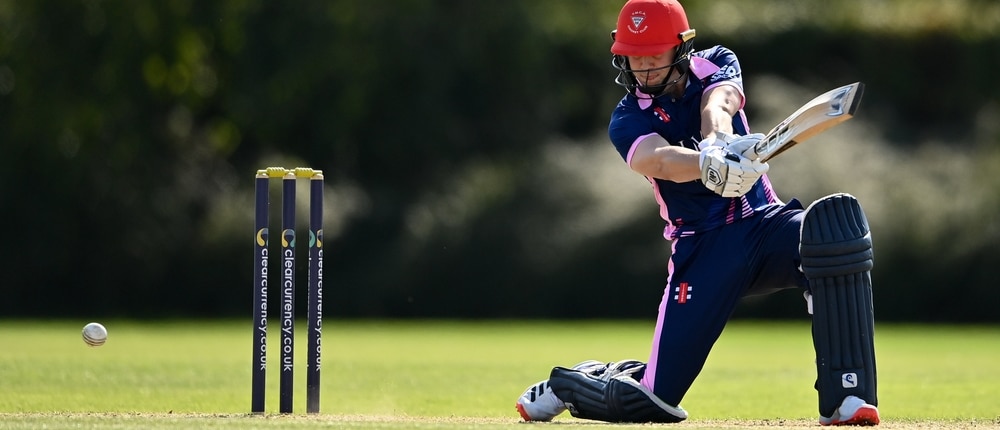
(524, 414)
(865, 416)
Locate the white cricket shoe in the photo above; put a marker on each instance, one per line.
(539, 402)
(852, 412)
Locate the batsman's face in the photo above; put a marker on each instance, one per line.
(651, 69)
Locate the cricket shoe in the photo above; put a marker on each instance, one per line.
(852, 412)
(539, 402)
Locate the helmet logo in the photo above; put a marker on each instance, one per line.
(638, 17)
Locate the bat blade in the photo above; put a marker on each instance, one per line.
(824, 111)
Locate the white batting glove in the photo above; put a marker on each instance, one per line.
(716, 139)
(745, 145)
(729, 174)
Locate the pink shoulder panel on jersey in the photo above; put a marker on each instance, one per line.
(703, 68)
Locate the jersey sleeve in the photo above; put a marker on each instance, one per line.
(718, 66)
(628, 125)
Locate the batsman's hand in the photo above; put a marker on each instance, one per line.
(742, 145)
(745, 145)
(715, 139)
(728, 173)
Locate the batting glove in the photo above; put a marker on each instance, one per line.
(745, 145)
(727, 173)
(715, 139)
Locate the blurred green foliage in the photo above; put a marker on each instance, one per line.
(455, 139)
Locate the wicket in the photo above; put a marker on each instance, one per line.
(287, 270)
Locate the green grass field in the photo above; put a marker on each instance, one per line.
(196, 374)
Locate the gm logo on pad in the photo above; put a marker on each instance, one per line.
(849, 380)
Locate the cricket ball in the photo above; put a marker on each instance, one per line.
(94, 334)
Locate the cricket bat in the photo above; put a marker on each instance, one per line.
(825, 111)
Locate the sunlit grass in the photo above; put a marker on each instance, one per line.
(455, 374)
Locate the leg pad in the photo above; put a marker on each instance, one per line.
(836, 250)
(618, 399)
(835, 238)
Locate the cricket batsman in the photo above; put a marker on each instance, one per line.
(681, 125)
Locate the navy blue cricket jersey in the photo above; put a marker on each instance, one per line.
(722, 248)
(688, 207)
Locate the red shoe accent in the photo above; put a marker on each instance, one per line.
(866, 415)
(524, 415)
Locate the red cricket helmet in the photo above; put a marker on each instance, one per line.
(651, 27)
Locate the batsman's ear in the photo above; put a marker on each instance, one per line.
(613, 33)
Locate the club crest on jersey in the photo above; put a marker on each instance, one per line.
(661, 114)
(638, 17)
(683, 292)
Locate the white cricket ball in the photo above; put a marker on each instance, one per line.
(94, 334)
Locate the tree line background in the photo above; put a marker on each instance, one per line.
(468, 172)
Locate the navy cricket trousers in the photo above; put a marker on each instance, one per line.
(708, 274)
